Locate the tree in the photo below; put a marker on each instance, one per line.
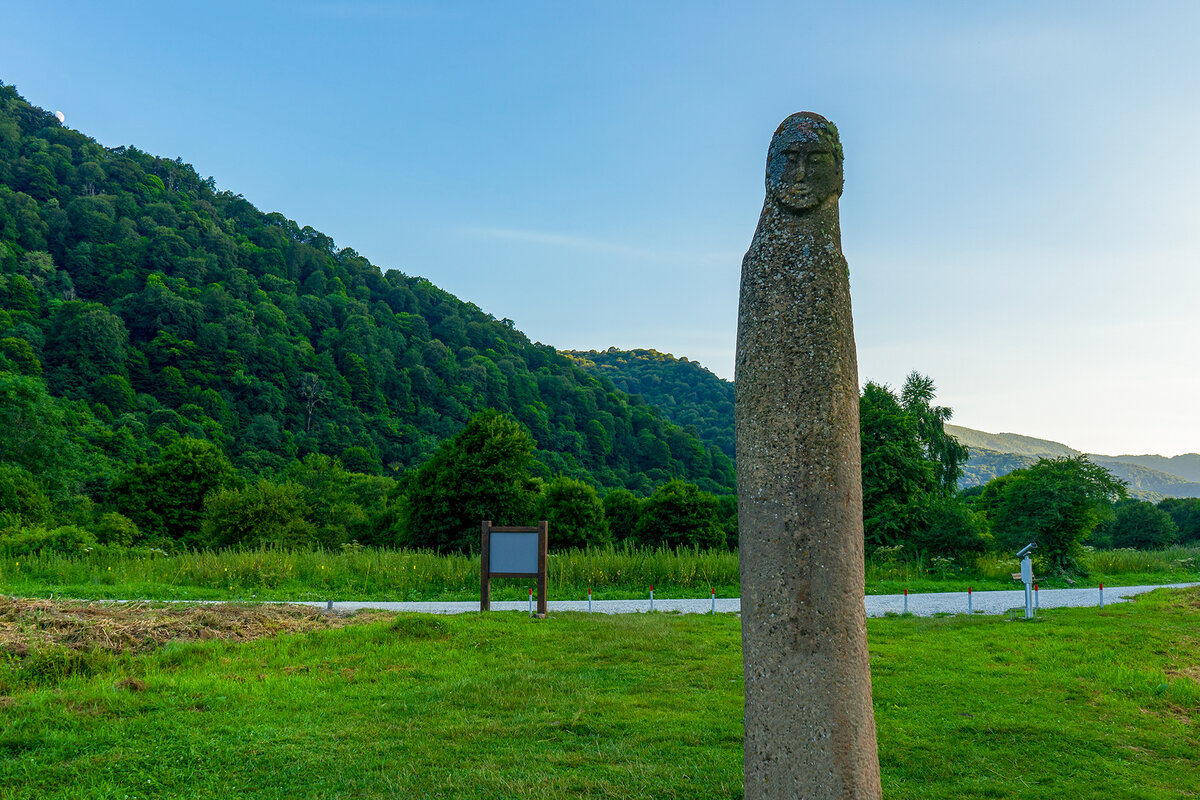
(1056, 503)
(262, 514)
(896, 474)
(622, 509)
(167, 499)
(947, 455)
(483, 473)
(678, 513)
(1143, 526)
(22, 497)
(311, 393)
(949, 527)
(574, 512)
(32, 430)
(1186, 513)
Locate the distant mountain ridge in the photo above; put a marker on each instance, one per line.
(691, 396)
(1149, 477)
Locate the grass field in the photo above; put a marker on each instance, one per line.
(1084, 703)
(613, 573)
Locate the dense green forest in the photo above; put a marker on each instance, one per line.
(179, 369)
(140, 304)
(687, 393)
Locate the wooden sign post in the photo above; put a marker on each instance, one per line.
(513, 552)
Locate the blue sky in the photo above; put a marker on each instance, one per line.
(1020, 213)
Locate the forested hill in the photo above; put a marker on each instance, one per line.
(688, 393)
(139, 303)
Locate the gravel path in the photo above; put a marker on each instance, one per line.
(878, 605)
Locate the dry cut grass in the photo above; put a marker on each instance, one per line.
(32, 624)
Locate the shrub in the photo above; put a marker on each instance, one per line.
(116, 529)
(1141, 525)
(262, 514)
(28, 541)
(621, 508)
(678, 513)
(574, 512)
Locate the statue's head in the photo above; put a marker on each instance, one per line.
(804, 164)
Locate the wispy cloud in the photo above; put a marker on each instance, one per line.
(572, 242)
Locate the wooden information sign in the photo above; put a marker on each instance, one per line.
(513, 552)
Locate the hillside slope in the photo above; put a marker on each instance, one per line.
(150, 305)
(687, 393)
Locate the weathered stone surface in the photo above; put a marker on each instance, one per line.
(810, 728)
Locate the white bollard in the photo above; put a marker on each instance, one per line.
(906, 601)
(651, 597)
(714, 599)
(531, 601)
(1102, 595)
(1037, 606)
(970, 610)
(589, 599)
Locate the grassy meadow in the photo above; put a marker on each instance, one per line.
(613, 573)
(1084, 703)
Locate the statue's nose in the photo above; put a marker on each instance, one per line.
(799, 166)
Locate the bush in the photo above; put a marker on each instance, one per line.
(679, 513)
(21, 495)
(949, 527)
(116, 529)
(574, 512)
(622, 508)
(1141, 525)
(262, 514)
(28, 541)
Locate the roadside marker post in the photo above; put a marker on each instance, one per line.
(531, 601)
(652, 597)
(1102, 595)
(970, 610)
(1037, 606)
(589, 599)
(906, 601)
(714, 601)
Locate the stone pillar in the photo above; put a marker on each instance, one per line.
(810, 727)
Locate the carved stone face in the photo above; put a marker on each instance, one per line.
(804, 164)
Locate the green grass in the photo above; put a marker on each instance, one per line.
(354, 573)
(1083, 704)
(613, 573)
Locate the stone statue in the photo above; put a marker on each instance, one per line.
(810, 728)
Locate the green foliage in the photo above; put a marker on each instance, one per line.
(942, 449)
(897, 477)
(140, 305)
(678, 513)
(622, 509)
(949, 527)
(1056, 503)
(574, 512)
(21, 496)
(690, 395)
(116, 529)
(262, 514)
(166, 499)
(1143, 526)
(67, 539)
(346, 506)
(1185, 511)
(480, 474)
